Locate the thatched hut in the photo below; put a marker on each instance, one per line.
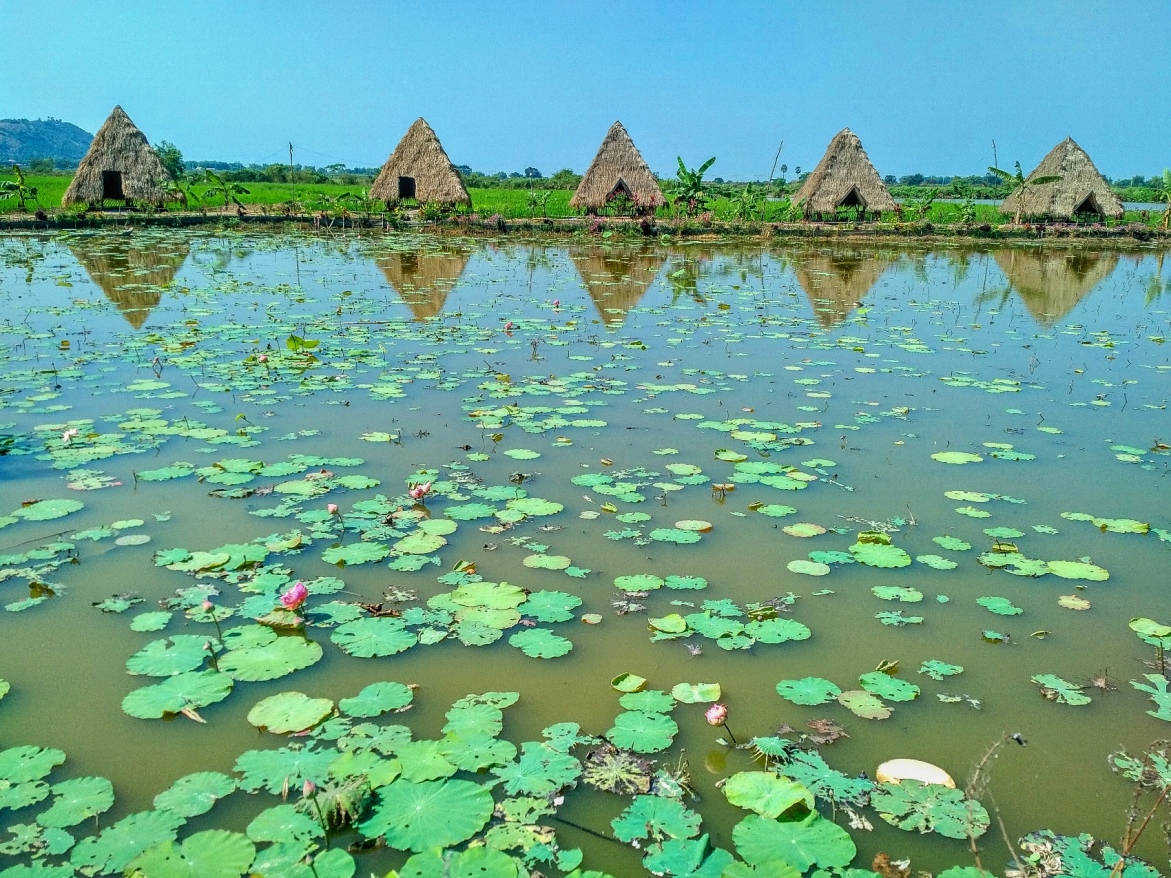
(424, 278)
(837, 282)
(1052, 283)
(616, 279)
(420, 169)
(1080, 193)
(132, 271)
(844, 178)
(618, 169)
(120, 166)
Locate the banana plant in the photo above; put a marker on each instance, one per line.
(1164, 195)
(689, 191)
(18, 189)
(226, 189)
(747, 204)
(1021, 186)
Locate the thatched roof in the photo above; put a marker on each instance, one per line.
(420, 156)
(836, 282)
(617, 167)
(844, 178)
(1051, 282)
(616, 279)
(132, 271)
(424, 278)
(119, 146)
(1080, 190)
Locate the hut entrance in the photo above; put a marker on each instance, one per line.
(853, 199)
(112, 186)
(406, 187)
(1088, 206)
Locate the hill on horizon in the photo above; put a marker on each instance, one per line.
(22, 140)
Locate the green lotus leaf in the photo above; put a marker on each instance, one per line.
(76, 800)
(22, 795)
(475, 862)
(937, 670)
(920, 807)
(488, 617)
(766, 793)
(891, 688)
(685, 583)
(952, 544)
(195, 794)
(863, 704)
(269, 660)
(695, 693)
(289, 712)
(803, 843)
(423, 760)
(547, 562)
(47, 510)
(540, 643)
(213, 853)
(649, 700)
(371, 637)
(808, 690)
(376, 699)
(999, 606)
(778, 630)
(170, 656)
(639, 582)
(642, 732)
(897, 593)
(534, 506)
(189, 691)
(112, 850)
(472, 633)
(1152, 632)
(284, 824)
(828, 784)
(674, 535)
(494, 596)
(540, 771)
(286, 767)
(470, 511)
(623, 683)
(176, 471)
(655, 818)
(27, 763)
(522, 454)
(879, 555)
(775, 510)
(808, 568)
(936, 562)
(1061, 691)
(432, 814)
(356, 553)
(1078, 570)
(155, 620)
(550, 606)
(956, 457)
(967, 496)
(420, 544)
(672, 623)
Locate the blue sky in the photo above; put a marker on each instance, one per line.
(926, 84)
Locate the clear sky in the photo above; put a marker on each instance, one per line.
(926, 84)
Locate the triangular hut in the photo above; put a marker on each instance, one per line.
(837, 282)
(1080, 192)
(616, 279)
(618, 168)
(132, 271)
(844, 178)
(120, 166)
(1052, 283)
(420, 169)
(424, 278)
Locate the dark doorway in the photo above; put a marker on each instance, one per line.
(1088, 205)
(406, 187)
(852, 199)
(112, 186)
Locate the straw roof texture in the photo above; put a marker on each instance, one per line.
(616, 279)
(424, 278)
(844, 177)
(1081, 188)
(1052, 283)
(132, 271)
(119, 146)
(837, 282)
(420, 155)
(618, 165)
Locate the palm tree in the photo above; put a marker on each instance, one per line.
(1020, 186)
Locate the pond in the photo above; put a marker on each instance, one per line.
(879, 502)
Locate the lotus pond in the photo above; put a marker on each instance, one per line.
(551, 504)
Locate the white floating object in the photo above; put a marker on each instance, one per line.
(898, 770)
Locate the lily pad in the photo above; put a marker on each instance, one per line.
(768, 794)
(920, 807)
(540, 643)
(195, 794)
(808, 690)
(289, 712)
(863, 704)
(642, 732)
(891, 688)
(431, 814)
(189, 691)
(376, 699)
(213, 853)
(695, 693)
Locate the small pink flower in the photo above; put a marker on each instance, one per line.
(418, 492)
(717, 714)
(208, 606)
(508, 325)
(556, 303)
(295, 596)
(263, 358)
(331, 508)
(309, 789)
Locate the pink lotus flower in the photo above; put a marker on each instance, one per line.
(331, 508)
(556, 303)
(418, 492)
(295, 596)
(508, 325)
(717, 714)
(263, 358)
(309, 789)
(208, 606)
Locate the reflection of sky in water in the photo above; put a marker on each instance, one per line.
(878, 357)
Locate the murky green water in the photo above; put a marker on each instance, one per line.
(619, 384)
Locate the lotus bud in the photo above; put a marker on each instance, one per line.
(717, 714)
(331, 508)
(309, 789)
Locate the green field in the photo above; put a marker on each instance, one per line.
(508, 203)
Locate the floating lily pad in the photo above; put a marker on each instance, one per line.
(189, 691)
(956, 457)
(766, 793)
(890, 688)
(695, 693)
(213, 853)
(642, 732)
(368, 638)
(431, 814)
(289, 712)
(376, 699)
(540, 643)
(863, 704)
(808, 690)
(195, 794)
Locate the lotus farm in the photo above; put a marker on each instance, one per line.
(406, 521)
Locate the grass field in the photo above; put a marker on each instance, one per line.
(509, 203)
